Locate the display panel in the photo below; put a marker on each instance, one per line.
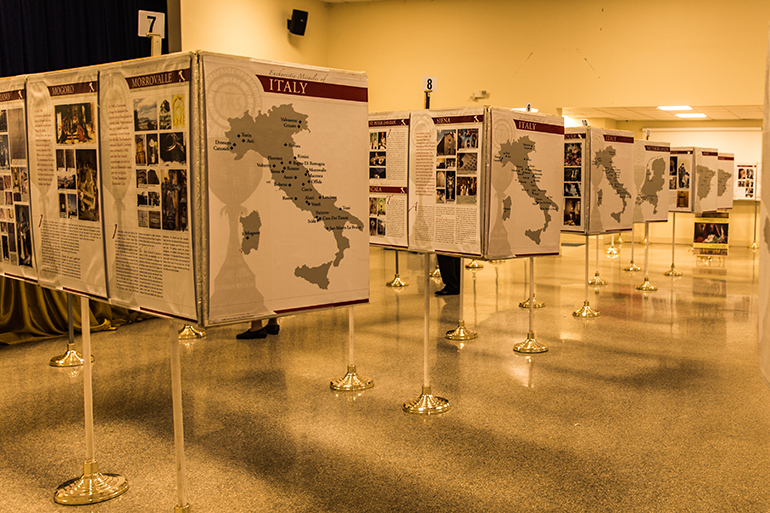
(679, 180)
(286, 200)
(15, 213)
(147, 174)
(747, 182)
(526, 188)
(575, 180)
(651, 161)
(446, 156)
(65, 181)
(388, 173)
(611, 188)
(725, 180)
(706, 175)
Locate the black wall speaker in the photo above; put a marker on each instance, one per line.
(298, 22)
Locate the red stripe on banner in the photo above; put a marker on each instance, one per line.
(520, 255)
(383, 245)
(78, 88)
(618, 138)
(328, 305)
(389, 122)
(452, 253)
(315, 89)
(681, 152)
(539, 127)
(22, 278)
(387, 190)
(723, 157)
(710, 154)
(164, 314)
(9, 96)
(574, 136)
(664, 149)
(81, 293)
(448, 120)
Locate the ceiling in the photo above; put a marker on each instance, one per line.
(653, 113)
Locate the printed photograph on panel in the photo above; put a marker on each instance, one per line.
(446, 142)
(466, 190)
(572, 174)
(88, 191)
(5, 161)
(377, 173)
(152, 149)
(154, 219)
(23, 235)
(378, 140)
(572, 212)
(572, 154)
(145, 114)
(174, 199)
(377, 158)
(682, 199)
(177, 103)
(172, 148)
(450, 186)
(75, 123)
(63, 205)
(143, 218)
(17, 134)
(468, 138)
(3, 121)
(467, 163)
(140, 151)
(372, 226)
(164, 115)
(72, 206)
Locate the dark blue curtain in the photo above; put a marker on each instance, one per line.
(47, 35)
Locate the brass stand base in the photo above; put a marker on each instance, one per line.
(91, 487)
(71, 358)
(436, 273)
(461, 332)
(189, 332)
(397, 282)
(612, 251)
(427, 404)
(597, 281)
(535, 304)
(351, 381)
(182, 509)
(531, 345)
(620, 239)
(632, 267)
(585, 311)
(473, 264)
(647, 286)
(672, 271)
(754, 246)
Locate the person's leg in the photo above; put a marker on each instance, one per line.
(450, 275)
(259, 330)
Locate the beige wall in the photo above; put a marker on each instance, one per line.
(256, 28)
(557, 53)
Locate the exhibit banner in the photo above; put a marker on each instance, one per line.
(611, 191)
(679, 180)
(575, 179)
(725, 179)
(705, 190)
(651, 161)
(15, 214)
(284, 196)
(747, 182)
(526, 190)
(146, 169)
(65, 181)
(388, 179)
(446, 180)
(711, 234)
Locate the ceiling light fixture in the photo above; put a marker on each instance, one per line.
(691, 115)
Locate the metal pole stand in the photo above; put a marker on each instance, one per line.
(189, 332)
(632, 267)
(526, 302)
(461, 332)
(176, 403)
(596, 281)
(92, 486)
(612, 250)
(754, 246)
(647, 286)
(351, 381)
(531, 345)
(436, 273)
(473, 264)
(396, 281)
(70, 358)
(427, 403)
(673, 271)
(585, 311)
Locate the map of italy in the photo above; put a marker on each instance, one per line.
(517, 153)
(271, 135)
(654, 181)
(604, 159)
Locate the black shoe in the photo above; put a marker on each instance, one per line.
(248, 334)
(272, 329)
(447, 292)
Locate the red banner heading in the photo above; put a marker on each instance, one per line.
(650, 147)
(539, 127)
(9, 96)
(389, 122)
(681, 152)
(710, 154)
(449, 120)
(726, 157)
(618, 138)
(314, 89)
(575, 136)
(159, 79)
(387, 190)
(78, 88)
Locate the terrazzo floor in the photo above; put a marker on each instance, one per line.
(655, 406)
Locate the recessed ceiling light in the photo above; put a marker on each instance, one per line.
(691, 115)
(675, 107)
